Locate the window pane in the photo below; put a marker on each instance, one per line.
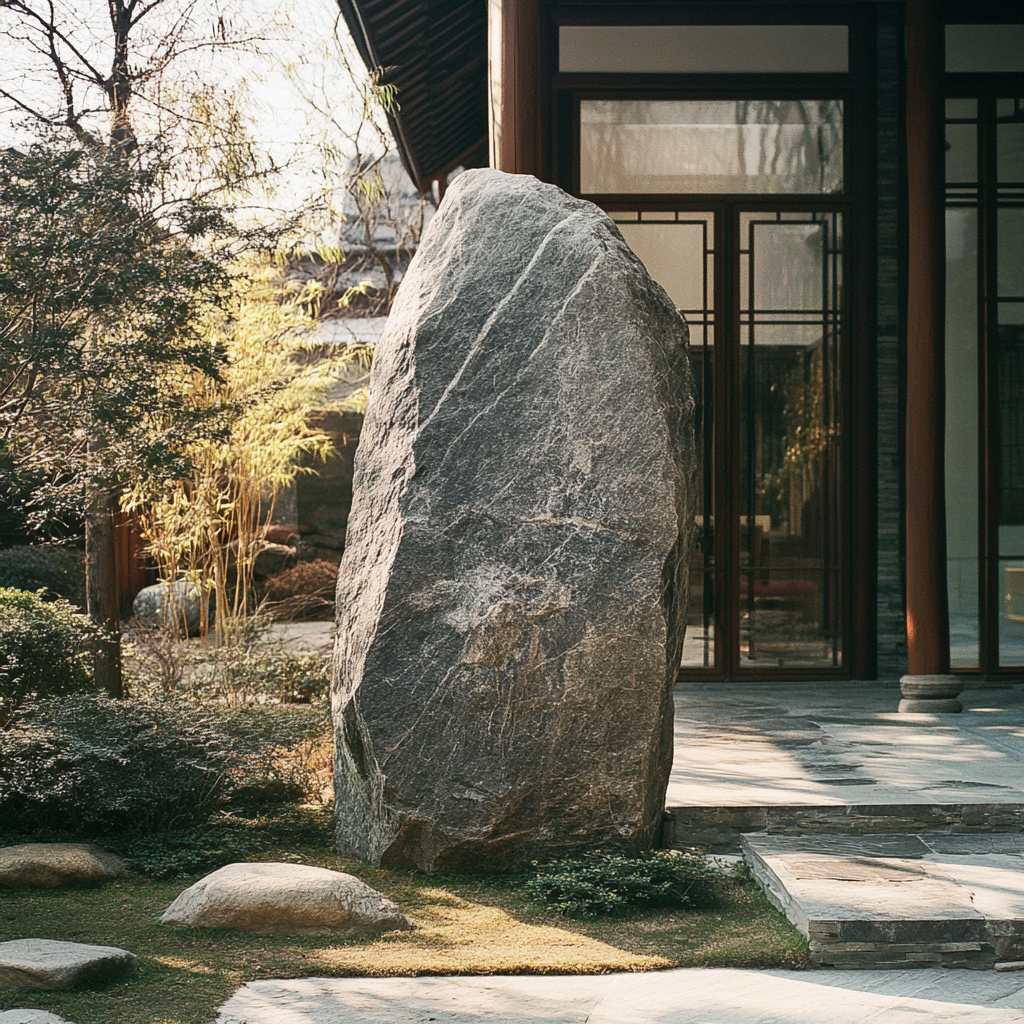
(1011, 619)
(647, 49)
(1010, 231)
(674, 256)
(961, 108)
(787, 267)
(1011, 440)
(1010, 153)
(962, 435)
(981, 48)
(716, 146)
(961, 152)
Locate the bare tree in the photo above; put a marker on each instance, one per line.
(97, 74)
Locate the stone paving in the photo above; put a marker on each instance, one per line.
(898, 900)
(837, 757)
(686, 996)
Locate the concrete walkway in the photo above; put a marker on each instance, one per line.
(695, 996)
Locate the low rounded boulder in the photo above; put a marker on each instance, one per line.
(55, 864)
(272, 897)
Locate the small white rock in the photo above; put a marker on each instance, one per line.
(284, 898)
(49, 964)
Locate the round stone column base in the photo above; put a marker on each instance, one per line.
(931, 707)
(935, 695)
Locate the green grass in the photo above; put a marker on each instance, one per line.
(464, 926)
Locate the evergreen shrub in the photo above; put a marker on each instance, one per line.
(603, 883)
(45, 649)
(92, 766)
(60, 572)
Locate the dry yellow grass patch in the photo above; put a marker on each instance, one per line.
(458, 936)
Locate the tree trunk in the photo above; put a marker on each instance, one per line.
(101, 580)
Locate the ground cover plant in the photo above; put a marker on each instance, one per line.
(603, 883)
(464, 925)
(57, 571)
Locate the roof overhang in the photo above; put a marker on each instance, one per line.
(435, 53)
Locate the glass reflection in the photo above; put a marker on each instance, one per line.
(711, 146)
(789, 440)
(678, 251)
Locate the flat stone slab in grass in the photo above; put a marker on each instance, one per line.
(30, 1017)
(49, 964)
(284, 898)
(54, 864)
(898, 900)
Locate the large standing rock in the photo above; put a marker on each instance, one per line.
(53, 864)
(511, 595)
(275, 897)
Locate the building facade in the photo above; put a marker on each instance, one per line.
(833, 195)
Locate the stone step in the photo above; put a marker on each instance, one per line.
(718, 829)
(898, 901)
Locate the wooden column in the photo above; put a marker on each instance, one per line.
(927, 598)
(513, 40)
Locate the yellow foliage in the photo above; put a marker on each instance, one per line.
(209, 526)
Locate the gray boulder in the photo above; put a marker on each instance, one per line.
(54, 864)
(274, 897)
(49, 964)
(511, 596)
(161, 604)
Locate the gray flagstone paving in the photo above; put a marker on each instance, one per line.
(687, 996)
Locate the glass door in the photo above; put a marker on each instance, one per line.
(985, 382)
(678, 248)
(787, 524)
(735, 208)
(762, 292)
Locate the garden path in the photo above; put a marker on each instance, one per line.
(685, 996)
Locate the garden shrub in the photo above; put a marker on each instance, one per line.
(279, 754)
(302, 593)
(60, 572)
(603, 883)
(45, 649)
(93, 766)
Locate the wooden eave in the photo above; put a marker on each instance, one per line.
(435, 52)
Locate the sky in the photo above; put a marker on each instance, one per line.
(289, 80)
